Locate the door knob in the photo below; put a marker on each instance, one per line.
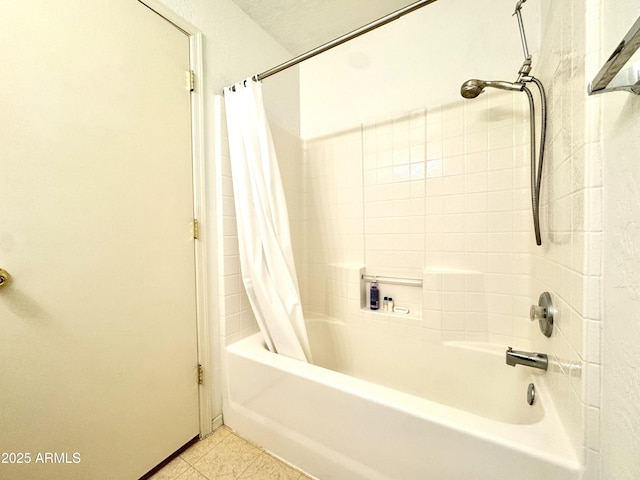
(4, 278)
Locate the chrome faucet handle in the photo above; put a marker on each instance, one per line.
(543, 312)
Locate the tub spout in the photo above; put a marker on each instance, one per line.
(530, 359)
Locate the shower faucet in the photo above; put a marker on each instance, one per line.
(529, 359)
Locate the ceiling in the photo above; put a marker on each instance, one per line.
(301, 25)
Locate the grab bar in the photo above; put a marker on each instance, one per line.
(409, 282)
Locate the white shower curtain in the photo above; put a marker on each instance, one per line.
(266, 256)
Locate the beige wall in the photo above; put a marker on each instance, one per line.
(620, 427)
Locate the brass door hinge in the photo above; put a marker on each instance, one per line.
(196, 229)
(200, 375)
(191, 80)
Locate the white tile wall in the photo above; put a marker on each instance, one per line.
(236, 317)
(333, 213)
(438, 194)
(569, 265)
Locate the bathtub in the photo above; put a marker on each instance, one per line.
(380, 406)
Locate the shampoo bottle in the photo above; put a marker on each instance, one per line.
(374, 294)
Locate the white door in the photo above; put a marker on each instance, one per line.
(98, 365)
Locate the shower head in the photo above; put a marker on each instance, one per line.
(472, 88)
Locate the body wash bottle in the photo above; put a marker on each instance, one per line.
(374, 296)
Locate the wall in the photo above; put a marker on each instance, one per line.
(430, 195)
(621, 335)
(234, 48)
(620, 441)
(569, 265)
(591, 209)
(420, 59)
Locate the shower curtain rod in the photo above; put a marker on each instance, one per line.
(344, 38)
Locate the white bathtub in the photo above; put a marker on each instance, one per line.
(396, 408)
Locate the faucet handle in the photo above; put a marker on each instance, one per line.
(537, 313)
(543, 312)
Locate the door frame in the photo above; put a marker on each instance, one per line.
(205, 389)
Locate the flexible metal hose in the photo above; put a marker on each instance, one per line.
(543, 132)
(534, 183)
(536, 166)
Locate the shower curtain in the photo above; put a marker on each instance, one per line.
(266, 255)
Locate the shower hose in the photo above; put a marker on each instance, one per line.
(536, 166)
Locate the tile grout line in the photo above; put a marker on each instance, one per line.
(262, 452)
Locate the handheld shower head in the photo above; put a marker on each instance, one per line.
(474, 87)
(471, 88)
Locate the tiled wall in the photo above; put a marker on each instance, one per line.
(333, 221)
(569, 265)
(477, 216)
(236, 317)
(439, 194)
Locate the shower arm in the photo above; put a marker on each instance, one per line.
(526, 66)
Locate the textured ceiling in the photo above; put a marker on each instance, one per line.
(301, 25)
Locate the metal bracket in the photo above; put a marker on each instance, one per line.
(543, 312)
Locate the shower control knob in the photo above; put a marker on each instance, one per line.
(537, 313)
(543, 312)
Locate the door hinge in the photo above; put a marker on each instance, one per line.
(200, 375)
(191, 80)
(196, 229)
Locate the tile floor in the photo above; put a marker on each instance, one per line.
(223, 455)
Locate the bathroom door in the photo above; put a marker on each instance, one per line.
(98, 366)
